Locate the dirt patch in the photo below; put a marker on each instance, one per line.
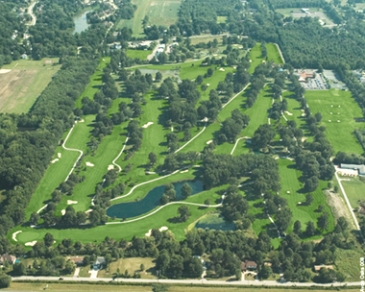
(338, 207)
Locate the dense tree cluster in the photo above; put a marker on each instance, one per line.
(232, 126)
(263, 171)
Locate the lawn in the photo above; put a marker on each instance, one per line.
(57, 172)
(132, 265)
(221, 19)
(273, 54)
(205, 38)
(291, 191)
(95, 82)
(159, 12)
(23, 83)
(76, 287)
(355, 190)
(341, 116)
(128, 230)
(255, 57)
(138, 54)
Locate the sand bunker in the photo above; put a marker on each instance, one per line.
(63, 212)
(329, 121)
(288, 113)
(208, 84)
(81, 121)
(54, 160)
(221, 69)
(163, 228)
(59, 155)
(288, 192)
(110, 166)
(209, 142)
(30, 243)
(184, 171)
(4, 71)
(88, 211)
(89, 164)
(331, 105)
(15, 234)
(149, 233)
(70, 202)
(338, 121)
(147, 125)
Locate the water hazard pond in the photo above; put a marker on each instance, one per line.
(150, 201)
(81, 22)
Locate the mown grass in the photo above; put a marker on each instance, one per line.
(131, 265)
(255, 57)
(159, 12)
(291, 190)
(344, 109)
(355, 191)
(95, 82)
(273, 54)
(138, 54)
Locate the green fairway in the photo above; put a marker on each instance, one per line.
(128, 230)
(255, 57)
(291, 191)
(22, 81)
(57, 172)
(355, 191)
(159, 12)
(340, 113)
(138, 54)
(95, 82)
(273, 54)
(94, 167)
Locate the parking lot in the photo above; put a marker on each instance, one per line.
(316, 83)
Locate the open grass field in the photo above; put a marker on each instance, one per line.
(159, 12)
(312, 12)
(355, 191)
(132, 265)
(273, 54)
(95, 82)
(138, 54)
(76, 287)
(22, 81)
(341, 116)
(205, 38)
(255, 57)
(291, 191)
(128, 230)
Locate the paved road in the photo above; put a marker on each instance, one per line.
(190, 281)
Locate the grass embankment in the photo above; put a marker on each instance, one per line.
(24, 82)
(340, 113)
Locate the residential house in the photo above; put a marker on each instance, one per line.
(77, 260)
(99, 263)
(248, 266)
(360, 167)
(319, 267)
(7, 258)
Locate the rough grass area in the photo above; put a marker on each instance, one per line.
(131, 265)
(205, 38)
(159, 12)
(355, 191)
(21, 86)
(290, 183)
(138, 54)
(273, 54)
(345, 110)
